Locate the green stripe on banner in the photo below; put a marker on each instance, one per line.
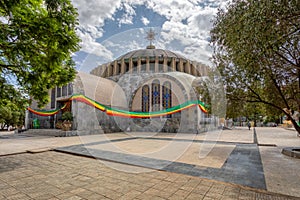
(124, 113)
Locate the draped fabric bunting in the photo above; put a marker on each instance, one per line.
(123, 113)
(46, 112)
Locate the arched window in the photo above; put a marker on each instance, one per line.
(53, 98)
(145, 98)
(167, 96)
(70, 89)
(64, 90)
(155, 95)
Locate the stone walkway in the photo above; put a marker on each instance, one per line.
(243, 166)
(53, 175)
(30, 169)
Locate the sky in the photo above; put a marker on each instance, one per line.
(111, 28)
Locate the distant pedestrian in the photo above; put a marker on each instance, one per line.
(249, 125)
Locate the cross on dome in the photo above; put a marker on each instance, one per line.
(151, 36)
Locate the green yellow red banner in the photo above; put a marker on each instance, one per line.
(123, 113)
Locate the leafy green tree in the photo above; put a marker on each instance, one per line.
(37, 39)
(211, 91)
(12, 106)
(257, 50)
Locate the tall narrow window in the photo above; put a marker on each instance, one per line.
(145, 98)
(64, 90)
(167, 96)
(70, 89)
(126, 67)
(53, 98)
(58, 94)
(155, 95)
(152, 67)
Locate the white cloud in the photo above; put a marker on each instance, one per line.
(145, 21)
(89, 45)
(94, 12)
(127, 17)
(187, 26)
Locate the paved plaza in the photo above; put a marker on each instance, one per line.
(231, 164)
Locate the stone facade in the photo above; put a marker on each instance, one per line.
(119, 84)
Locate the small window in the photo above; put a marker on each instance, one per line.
(145, 98)
(64, 91)
(53, 98)
(167, 96)
(58, 92)
(70, 89)
(155, 95)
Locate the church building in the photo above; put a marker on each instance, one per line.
(146, 80)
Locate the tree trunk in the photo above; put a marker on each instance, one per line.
(296, 126)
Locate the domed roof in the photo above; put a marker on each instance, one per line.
(102, 90)
(150, 52)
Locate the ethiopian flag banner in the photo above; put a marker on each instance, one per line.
(123, 113)
(46, 112)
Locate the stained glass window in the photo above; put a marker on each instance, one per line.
(167, 96)
(155, 95)
(145, 98)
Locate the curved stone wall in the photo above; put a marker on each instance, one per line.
(150, 62)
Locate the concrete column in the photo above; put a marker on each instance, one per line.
(139, 65)
(105, 71)
(115, 68)
(198, 69)
(122, 66)
(194, 70)
(165, 65)
(181, 65)
(105, 74)
(188, 67)
(206, 70)
(173, 64)
(156, 68)
(130, 65)
(147, 64)
(109, 70)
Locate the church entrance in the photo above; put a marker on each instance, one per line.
(68, 108)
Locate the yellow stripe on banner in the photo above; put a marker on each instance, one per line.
(122, 113)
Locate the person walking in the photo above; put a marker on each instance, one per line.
(249, 125)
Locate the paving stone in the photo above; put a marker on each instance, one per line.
(53, 175)
(97, 197)
(43, 196)
(130, 195)
(201, 189)
(195, 196)
(213, 195)
(74, 198)
(182, 193)
(18, 196)
(145, 196)
(65, 195)
(9, 191)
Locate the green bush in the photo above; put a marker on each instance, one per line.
(67, 116)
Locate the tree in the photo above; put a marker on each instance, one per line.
(256, 48)
(12, 106)
(37, 39)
